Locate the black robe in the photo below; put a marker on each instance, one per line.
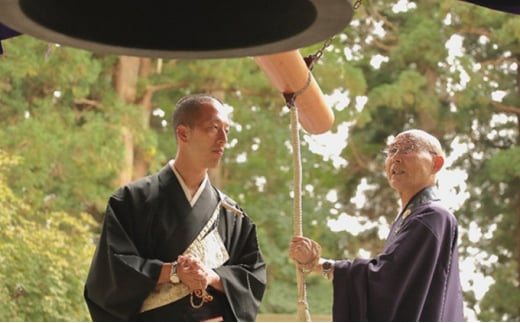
(149, 222)
(416, 278)
(5, 33)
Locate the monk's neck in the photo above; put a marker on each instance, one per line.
(406, 197)
(191, 176)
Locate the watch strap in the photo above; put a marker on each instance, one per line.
(173, 273)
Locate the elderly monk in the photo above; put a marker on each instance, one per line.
(416, 276)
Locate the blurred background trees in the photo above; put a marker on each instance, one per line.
(74, 125)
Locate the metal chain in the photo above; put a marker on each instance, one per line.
(311, 59)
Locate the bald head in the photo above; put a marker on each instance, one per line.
(422, 139)
(188, 109)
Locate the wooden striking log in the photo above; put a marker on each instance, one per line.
(289, 73)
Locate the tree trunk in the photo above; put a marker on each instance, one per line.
(142, 160)
(127, 73)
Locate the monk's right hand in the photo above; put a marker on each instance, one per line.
(304, 251)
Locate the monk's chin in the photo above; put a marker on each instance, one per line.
(214, 164)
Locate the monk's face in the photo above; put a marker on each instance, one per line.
(409, 164)
(208, 137)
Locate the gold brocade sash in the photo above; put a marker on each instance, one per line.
(208, 247)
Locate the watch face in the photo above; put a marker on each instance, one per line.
(174, 279)
(327, 265)
(327, 268)
(173, 274)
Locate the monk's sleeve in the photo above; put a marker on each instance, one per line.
(395, 284)
(244, 275)
(119, 279)
(5, 33)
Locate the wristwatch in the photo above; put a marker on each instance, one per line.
(173, 274)
(326, 268)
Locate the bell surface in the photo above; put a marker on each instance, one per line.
(179, 29)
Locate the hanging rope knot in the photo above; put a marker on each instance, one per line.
(290, 97)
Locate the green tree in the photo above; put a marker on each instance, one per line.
(51, 118)
(44, 257)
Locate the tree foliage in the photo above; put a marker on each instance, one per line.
(43, 259)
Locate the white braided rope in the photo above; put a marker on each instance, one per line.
(303, 308)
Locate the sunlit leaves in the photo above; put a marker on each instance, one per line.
(43, 261)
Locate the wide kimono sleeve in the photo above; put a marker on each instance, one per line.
(119, 278)
(5, 33)
(243, 276)
(408, 281)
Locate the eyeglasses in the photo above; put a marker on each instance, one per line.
(407, 149)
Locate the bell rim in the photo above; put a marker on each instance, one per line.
(332, 17)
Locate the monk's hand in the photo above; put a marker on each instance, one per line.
(191, 272)
(305, 252)
(197, 279)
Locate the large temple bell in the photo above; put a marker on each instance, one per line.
(179, 29)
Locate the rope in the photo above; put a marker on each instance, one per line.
(303, 314)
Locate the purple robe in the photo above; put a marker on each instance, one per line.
(415, 278)
(511, 6)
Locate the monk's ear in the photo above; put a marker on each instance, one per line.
(438, 162)
(183, 133)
